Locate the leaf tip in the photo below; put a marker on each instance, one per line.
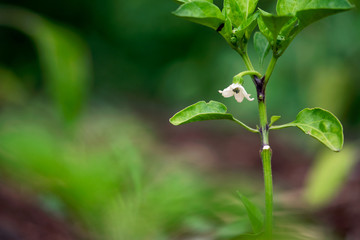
(173, 121)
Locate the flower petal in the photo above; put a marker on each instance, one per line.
(245, 94)
(227, 92)
(235, 85)
(239, 97)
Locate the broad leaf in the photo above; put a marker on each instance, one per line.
(309, 11)
(239, 10)
(271, 25)
(309, 16)
(233, 12)
(201, 12)
(254, 214)
(320, 124)
(288, 7)
(186, 1)
(248, 7)
(201, 111)
(261, 45)
(273, 119)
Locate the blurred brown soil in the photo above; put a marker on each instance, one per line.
(22, 219)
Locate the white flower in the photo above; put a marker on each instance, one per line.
(236, 90)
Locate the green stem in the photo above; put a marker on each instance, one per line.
(244, 73)
(265, 149)
(282, 126)
(245, 126)
(269, 70)
(266, 161)
(247, 61)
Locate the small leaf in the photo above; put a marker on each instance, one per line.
(322, 125)
(201, 111)
(246, 28)
(250, 24)
(262, 46)
(226, 32)
(273, 120)
(254, 214)
(201, 12)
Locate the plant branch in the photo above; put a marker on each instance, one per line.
(252, 73)
(245, 126)
(269, 70)
(282, 126)
(245, 56)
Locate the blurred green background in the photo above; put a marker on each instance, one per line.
(86, 90)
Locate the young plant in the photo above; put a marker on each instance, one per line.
(235, 23)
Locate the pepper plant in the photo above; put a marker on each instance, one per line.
(236, 23)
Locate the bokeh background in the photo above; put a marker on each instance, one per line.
(87, 152)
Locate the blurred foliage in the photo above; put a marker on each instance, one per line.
(63, 56)
(328, 175)
(113, 175)
(100, 174)
(120, 185)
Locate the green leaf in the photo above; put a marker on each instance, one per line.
(309, 11)
(271, 25)
(201, 111)
(308, 16)
(233, 12)
(328, 175)
(186, 1)
(246, 28)
(248, 6)
(201, 12)
(261, 45)
(226, 32)
(273, 119)
(322, 125)
(250, 24)
(239, 10)
(254, 214)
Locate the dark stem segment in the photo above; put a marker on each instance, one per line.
(260, 87)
